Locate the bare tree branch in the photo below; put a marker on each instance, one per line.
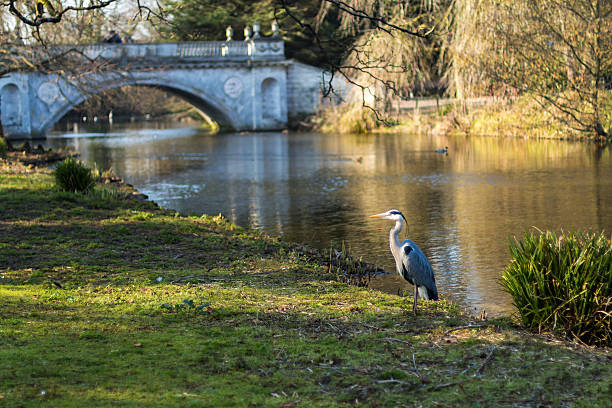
(39, 20)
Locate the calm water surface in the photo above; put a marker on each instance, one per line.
(320, 189)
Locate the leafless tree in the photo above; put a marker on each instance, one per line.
(559, 52)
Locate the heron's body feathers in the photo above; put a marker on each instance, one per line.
(417, 270)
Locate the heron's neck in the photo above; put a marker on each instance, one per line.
(394, 241)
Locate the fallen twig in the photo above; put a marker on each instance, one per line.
(397, 340)
(392, 380)
(487, 361)
(445, 385)
(369, 326)
(405, 331)
(334, 327)
(416, 369)
(471, 326)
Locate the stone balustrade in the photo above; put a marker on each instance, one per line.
(254, 47)
(260, 49)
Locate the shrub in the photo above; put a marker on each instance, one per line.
(72, 175)
(563, 284)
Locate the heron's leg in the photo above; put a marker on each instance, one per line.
(414, 304)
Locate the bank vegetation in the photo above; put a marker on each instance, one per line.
(545, 65)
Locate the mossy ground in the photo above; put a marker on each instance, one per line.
(111, 301)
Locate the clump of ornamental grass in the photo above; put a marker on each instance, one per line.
(74, 176)
(563, 284)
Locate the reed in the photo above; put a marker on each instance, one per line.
(347, 119)
(349, 269)
(563, 284)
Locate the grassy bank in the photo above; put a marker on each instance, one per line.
(506, 118)
(108, 300)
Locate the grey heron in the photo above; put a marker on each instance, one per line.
(410, 262)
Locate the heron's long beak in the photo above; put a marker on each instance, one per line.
(378, 215)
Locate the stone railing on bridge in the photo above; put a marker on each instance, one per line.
(254, 48)
(260, 49)
(264, 49)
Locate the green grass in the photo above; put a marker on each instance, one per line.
(111, 302)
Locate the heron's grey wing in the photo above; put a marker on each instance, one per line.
(417, 269)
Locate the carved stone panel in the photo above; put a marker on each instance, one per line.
(233, 87)
(49, 92)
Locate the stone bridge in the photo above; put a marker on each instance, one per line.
(240, 85)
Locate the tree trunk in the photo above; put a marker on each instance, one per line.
(601, 132)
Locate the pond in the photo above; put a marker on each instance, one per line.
(462, 207)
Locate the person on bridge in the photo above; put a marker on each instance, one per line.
(113, 38)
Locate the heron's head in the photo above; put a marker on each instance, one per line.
(393, 214)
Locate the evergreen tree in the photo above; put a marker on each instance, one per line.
(206, 20)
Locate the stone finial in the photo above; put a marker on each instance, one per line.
(275, 28)
(229, 32)
(247, 33)
(256, 29)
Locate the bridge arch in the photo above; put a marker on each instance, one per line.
(211, 109)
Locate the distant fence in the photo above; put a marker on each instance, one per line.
(429, 103)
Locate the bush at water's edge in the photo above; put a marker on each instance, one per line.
(519, 117)
(563, 284)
